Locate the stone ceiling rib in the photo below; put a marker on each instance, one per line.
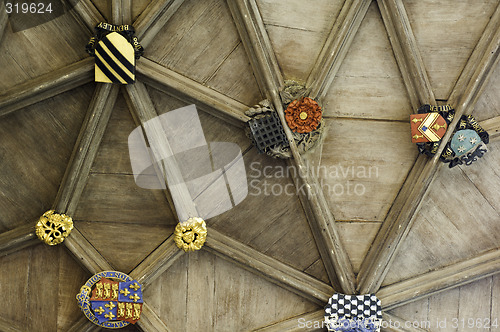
(121, 11)
(86, 148)
(293, 324)
(4, 18)
(278, 273)
(46, 86)
(87, 13)
(150, 321)
(401, 216)
(266, 69)
(153, 18)
(18, 238)
(492, 126)
(9, 326)
(407, 52)
(84, 325)
(157, 262)
(430, 283)
(336, 47)
(188, 90)
(254, 36)
(143, 110)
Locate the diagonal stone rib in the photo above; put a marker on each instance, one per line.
(271, 269)
(150, 321)
(86, 148)
(84, 325)
(190, 91)
(121, 11)
(10, 326)
(86, 13)
(153, 18)
(492, 126)
(85, 253)
(336, 47)
(143, 110)
(407, 52)
(77, 173)
(4, 19)
(18, 238)
(251, 28)
(157, 262)
(401, 215)
(46, 86)
(433, 282)
(298, 323)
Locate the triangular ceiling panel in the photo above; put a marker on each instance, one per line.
(285, 219)
(367, 152)
(446, 33)
(369, 87)
(357, 238)
(282, 222)
(201, 42)
(362, 170)
(114, 213)
(298, 30)
(488, 104)
(104, 7)
(457, 220)
(35, 148)
(220, 296)
(452, 309)
(37, 50)
(27, 280)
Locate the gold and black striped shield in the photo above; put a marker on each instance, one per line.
(114, 60)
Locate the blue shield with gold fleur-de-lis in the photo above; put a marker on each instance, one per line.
(117, 301)
(104, 310)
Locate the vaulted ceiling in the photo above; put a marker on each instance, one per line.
(423, 237)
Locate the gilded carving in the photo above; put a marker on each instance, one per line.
(52, 228)
(190, 235)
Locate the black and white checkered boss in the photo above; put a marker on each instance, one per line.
(353, 313)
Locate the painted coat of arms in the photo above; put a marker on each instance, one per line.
(111, 299)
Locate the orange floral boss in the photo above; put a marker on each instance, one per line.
(303, 115)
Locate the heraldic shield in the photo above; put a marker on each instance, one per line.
(427, 127)
(115, 60)
(115, 299)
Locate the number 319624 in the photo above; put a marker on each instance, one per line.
(28, 8)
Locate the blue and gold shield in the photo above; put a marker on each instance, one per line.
(111, 299)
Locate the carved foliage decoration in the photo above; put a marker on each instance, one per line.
(302, 114)
(190, 235)
(52, 228)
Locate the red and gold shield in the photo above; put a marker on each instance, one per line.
(427, 127)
